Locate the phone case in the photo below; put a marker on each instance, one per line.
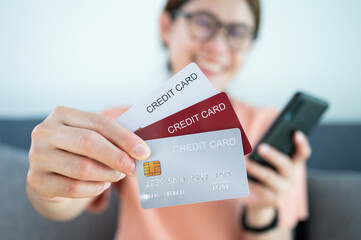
(301, 113)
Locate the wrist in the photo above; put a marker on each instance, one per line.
(259, 220)
(259, 217)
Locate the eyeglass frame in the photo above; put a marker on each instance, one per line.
(219, 25)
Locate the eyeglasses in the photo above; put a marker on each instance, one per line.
(204, 26)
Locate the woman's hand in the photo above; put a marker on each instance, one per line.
(76, 154)
(274, 185)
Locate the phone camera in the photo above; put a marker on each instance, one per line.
(288, 116)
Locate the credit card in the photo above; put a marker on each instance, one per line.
(193, 168)
(214, 113)
(182, 90)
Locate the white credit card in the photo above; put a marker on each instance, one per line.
(184, 89)
(193, 168)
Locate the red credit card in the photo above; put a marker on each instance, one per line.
(214, 113)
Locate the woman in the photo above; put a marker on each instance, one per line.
(76, 156)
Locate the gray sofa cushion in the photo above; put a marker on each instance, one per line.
(336, 147)
(335, 205)
(17, 132)
(18, 219)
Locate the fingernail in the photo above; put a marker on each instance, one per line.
(119, 175)
(133, 170)
(264, 148)
(53, 199)
(122, 175)
(300, 136)
(141, 150)
(106, 185)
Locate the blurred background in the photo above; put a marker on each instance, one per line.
(93, 55)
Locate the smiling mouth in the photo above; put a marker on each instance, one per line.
(210, 67)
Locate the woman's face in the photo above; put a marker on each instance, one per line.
(214, 57)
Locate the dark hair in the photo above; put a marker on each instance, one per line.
(253, 4)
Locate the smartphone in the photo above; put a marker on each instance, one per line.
(302, 112)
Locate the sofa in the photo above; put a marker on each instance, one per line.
(334, 189)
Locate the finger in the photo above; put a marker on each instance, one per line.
(279, 160)
(53, 185)
(107, 127)
(268, 177)
(93, 145)
(262, 195)
(76, 167)
(302, 147)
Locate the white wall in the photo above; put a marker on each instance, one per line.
(96, 54)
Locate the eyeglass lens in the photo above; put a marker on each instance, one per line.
(203, 27)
